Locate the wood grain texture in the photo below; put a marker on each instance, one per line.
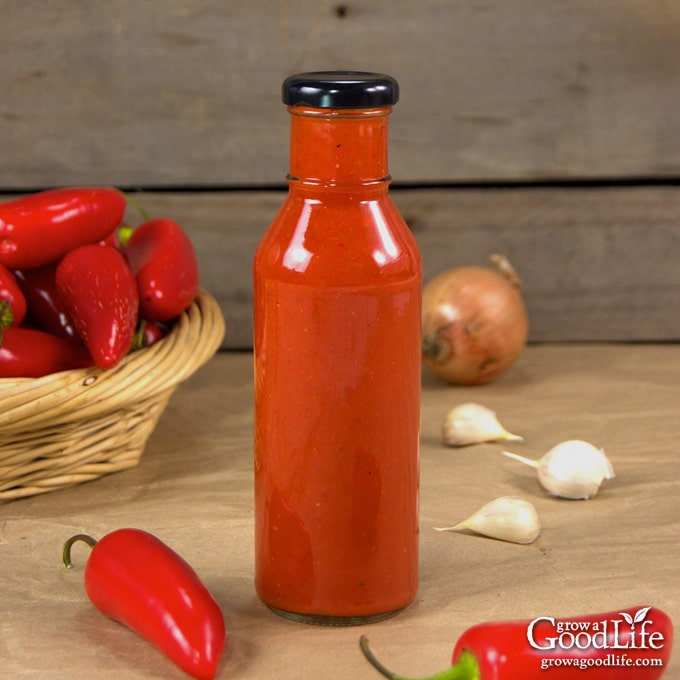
(596, 264)
(186, 92)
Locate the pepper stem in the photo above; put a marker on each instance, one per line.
(6, 314)
(466, 668)
(138, 337)
(66, 552)
(137, 206)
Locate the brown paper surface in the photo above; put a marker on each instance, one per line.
(193, 489)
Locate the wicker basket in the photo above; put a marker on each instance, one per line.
(75, 426)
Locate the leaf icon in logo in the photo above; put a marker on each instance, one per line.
(628, 617)
(640, 615)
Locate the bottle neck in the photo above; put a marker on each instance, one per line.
(340, 148)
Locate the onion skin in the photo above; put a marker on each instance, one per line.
(475, 324)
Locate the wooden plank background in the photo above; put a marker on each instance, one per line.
(596, 264)
(543, 129)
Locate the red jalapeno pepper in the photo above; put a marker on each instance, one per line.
(12, 299)
(40, 228)
(39, 287)
(136, 579)
(163, 261)
(634, 643)
(32, 353)
(100, 295)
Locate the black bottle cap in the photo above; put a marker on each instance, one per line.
(340, 90)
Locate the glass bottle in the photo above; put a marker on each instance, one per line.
(337, 351)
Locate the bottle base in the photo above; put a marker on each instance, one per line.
(324, 620)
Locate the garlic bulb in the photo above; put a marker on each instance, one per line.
(471, 424)
(508, 518)
(573, 469)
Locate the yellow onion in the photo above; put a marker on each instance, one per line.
(475, 324)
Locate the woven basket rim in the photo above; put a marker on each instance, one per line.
(68, 396)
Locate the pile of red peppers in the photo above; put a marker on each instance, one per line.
(73, 293)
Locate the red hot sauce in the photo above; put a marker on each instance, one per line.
(337, 283)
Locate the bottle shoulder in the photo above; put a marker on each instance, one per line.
(342, 237)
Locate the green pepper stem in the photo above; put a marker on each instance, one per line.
(137, 206)
(138, 337)
(6, 314)
(66, 552)
(466, 668)
(124, 232)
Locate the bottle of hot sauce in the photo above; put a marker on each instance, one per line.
(337, 283)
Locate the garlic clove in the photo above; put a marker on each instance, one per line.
(472, 423)
(573, 469)
(508, 518)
